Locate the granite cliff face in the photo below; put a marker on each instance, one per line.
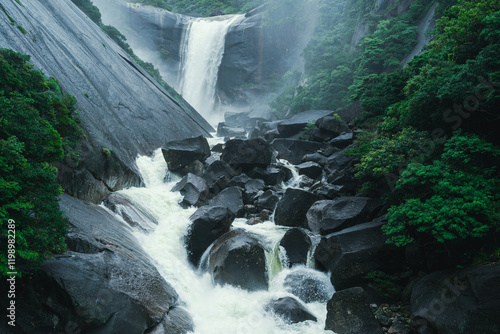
(121, 107)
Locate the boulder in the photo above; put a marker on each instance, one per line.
(297, 245)
(194, 189)
(293, 206)
(348, 312)
(294, 150)
(342, 141)
(329, 191)
(268, 200)
(238, 119)
(218, 148)
(239, 181)
(310, 169)
(296, 124)
(224, 130)
(180, 153)
(271, 176)
(208, 223)
(231, 198)
(353, 252)
(337, 161)
(252, 189)
(328, 216)
(290, 310)
(238, 259)
(309, 285)
(318, 158)
(247, 154)
(458, 301)
(332, 125)
(217, 175)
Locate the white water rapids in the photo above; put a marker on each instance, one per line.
(201, 54)
(215, 309)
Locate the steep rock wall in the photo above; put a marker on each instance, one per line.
(122, 108)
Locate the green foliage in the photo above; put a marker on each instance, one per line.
(307, 130)
(204, 7)
(21, 29)
(106, 152)
(39, 125)
(383, 157)
(453, 198)
(88, 8)
(385, 284)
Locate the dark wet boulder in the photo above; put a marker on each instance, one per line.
(290, 310)
(349, 313)
(329, 191)
(318, 158)
(458, 301)
(180, 153)
(296, 124)
(238, 259)
(268, 200)
(333, 125)
(231, 198)
(194, 189)
(297, 245)
(208, 223)
(353, 252)
(309, 285)
(337, 161)
(271, 176)
(294, 150)
(252, 189)
(239, 181)
(342, 141)
(310, 169)
(218, 148)
(218, 174)
(328, 216)
(293, 206)
(224, 130)
(247, 154)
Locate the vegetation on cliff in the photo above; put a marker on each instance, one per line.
(39, 126)
(431, 137)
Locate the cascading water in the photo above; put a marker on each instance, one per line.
(215, 309)
(201, 54)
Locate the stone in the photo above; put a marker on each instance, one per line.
(290, 310)
(217, 175)
(194, 189)
(180, 153)
(342, 141)
(208, 223)
(247, 154)
(353, 252)
(328, 216)
(309, 285)
(329, 191)
(318, 158)
(238, 259)
(310, 169)
(268, 200)
(294, 150)
(271, 176)
(239, 181)
(218, 148)
(296, 124)
(252, 189)
(296, 244)
(293, 206)
(458, 301)
(231, 198)
(337, 161)
(333, 125)
(348, 312)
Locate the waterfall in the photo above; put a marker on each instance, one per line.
(201, 54)
(215, 309)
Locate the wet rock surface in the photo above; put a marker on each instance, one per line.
(290, 310)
